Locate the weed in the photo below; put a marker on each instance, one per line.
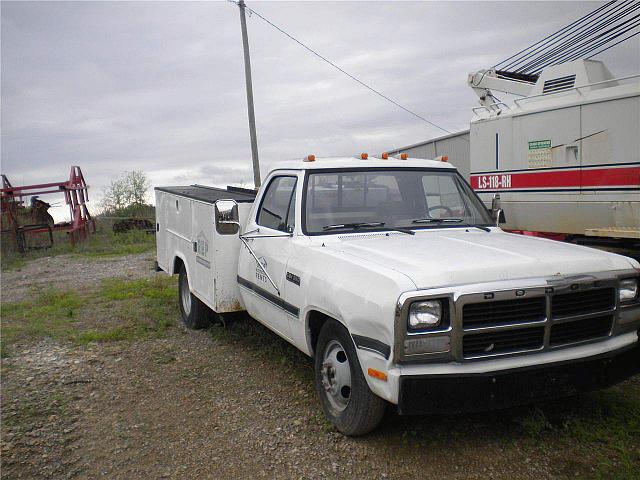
(112, 335)
(118, 310)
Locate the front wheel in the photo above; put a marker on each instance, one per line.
(346, 399)
(195, 314)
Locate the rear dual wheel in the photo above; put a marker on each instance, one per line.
(346, 399)
(195, 314)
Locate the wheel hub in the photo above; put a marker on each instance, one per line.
(336, 375)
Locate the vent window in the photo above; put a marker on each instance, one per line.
(559, 84)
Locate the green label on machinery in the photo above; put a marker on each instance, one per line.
(538, 144)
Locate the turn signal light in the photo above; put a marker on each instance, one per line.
(404, 156)
(310, 158)
(364, 156)
(377, 374)
(385, 156)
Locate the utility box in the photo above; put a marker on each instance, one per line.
(186, 233)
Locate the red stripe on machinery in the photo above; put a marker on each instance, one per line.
(579, 178)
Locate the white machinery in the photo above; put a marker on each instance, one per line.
(564, 158)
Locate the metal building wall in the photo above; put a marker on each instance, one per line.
(455, 146)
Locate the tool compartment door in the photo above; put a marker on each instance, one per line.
(162, 254)
(202, 251)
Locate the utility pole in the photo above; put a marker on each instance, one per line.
(252, 119)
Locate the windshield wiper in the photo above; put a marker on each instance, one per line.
(353, 225)
(481, 227)
(450, 220)
(437, 220)
(357, 225)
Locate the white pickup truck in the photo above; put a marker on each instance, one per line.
(392, 274)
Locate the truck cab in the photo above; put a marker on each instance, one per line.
(395, 278)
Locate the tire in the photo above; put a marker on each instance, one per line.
(346, 399)
(195, 314)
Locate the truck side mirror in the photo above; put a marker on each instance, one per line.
(227, 220)
(496, 210)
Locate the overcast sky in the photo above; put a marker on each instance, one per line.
(159, 86)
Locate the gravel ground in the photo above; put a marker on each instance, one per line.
(188, 406)
(206, 404)
(72, 272)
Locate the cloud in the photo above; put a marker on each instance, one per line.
(159, 86)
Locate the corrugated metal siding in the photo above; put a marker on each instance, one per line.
(455, 146)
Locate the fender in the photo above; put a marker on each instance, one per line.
(306, 314)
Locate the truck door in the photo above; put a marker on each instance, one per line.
(267, 236)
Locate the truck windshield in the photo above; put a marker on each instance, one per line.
(354, 200)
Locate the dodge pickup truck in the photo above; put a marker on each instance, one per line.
(398, 281)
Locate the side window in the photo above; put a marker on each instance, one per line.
(278, 204)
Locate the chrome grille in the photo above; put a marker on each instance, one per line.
(580, 303)
(547, 319)
(502, 342)
(504, 312)
(580, 330)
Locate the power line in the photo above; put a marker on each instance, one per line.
(340, 69)
(595, 31)
(530, 51)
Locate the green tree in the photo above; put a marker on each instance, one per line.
(126, 195)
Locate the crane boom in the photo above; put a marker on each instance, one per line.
(484, 82)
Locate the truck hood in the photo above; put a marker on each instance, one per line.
(433, 258)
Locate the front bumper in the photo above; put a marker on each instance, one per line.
(454, 393)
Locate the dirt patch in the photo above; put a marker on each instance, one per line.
(68, 272)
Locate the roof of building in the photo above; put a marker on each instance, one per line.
(425, 142)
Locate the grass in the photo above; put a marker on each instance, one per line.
(118, 310)
(31, 410)
(249, 335)
(599, 433)
(104, 243)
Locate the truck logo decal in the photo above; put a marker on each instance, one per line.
(259, 272)
(293, 278)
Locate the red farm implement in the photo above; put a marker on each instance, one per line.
(25, 223)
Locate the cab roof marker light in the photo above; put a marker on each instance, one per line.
(404, 156)
(385, 156)
(364, 156)
(309, 158)
(442, 158)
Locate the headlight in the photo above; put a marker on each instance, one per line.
(628, 290)
(425, 315)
